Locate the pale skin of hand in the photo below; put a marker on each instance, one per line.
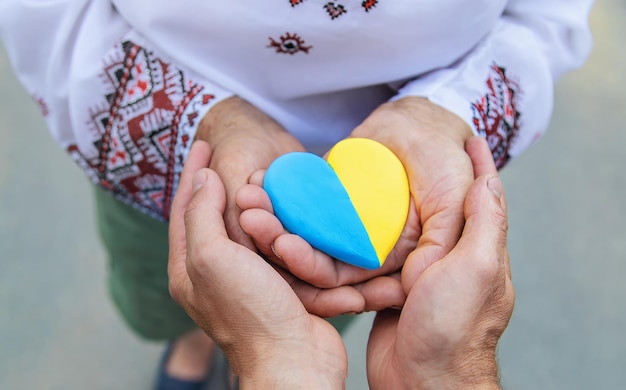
(429, 141)
(239, 299)
(447, 333)
(444, 337)
(243, 139)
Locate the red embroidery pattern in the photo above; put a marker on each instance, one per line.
(335, 10)
(152, 110)
(43, 106)
(369, 4)
(289, 44)
(496, 116)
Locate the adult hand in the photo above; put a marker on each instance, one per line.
(243, 304)
(447, 333)
(243, 139)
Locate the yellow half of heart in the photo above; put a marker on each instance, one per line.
(378, 187)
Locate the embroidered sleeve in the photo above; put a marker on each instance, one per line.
(503, 88)
(125, 113)
(143, 126)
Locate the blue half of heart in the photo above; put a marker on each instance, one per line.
(310, 201)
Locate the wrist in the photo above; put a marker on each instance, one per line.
(286, 368)
(432, 116)
(234, 124)
(480, 373)
(455, 381)
(291, 378)
(232, 117)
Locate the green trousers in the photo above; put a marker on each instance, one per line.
(137, 247)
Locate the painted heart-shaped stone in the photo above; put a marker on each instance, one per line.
(352, 206)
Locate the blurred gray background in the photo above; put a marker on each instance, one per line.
(567, 208)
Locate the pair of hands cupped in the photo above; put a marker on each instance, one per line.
(426, 138)
(266, 315)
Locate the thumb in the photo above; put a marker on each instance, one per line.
(439, 234)
(204, 217)
(198, 158)
(483, 243)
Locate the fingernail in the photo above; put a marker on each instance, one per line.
(396, 307)
(495, 185)
(274, 251)
(198, 180)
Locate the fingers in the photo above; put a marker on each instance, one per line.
(252, 196)
(204, 222)
(440, 232)
(382, 292)
(329, 303)
(480, 261)
(325, 302)
(306, 262)
(289, 251)
(484, 238)
(319, 275)
(199, 157)
(263, 227)
(480, 154)
(439, 229)
(483, 164)
(294, 254)
(257, 177)
(318, 280)
(282, 248)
